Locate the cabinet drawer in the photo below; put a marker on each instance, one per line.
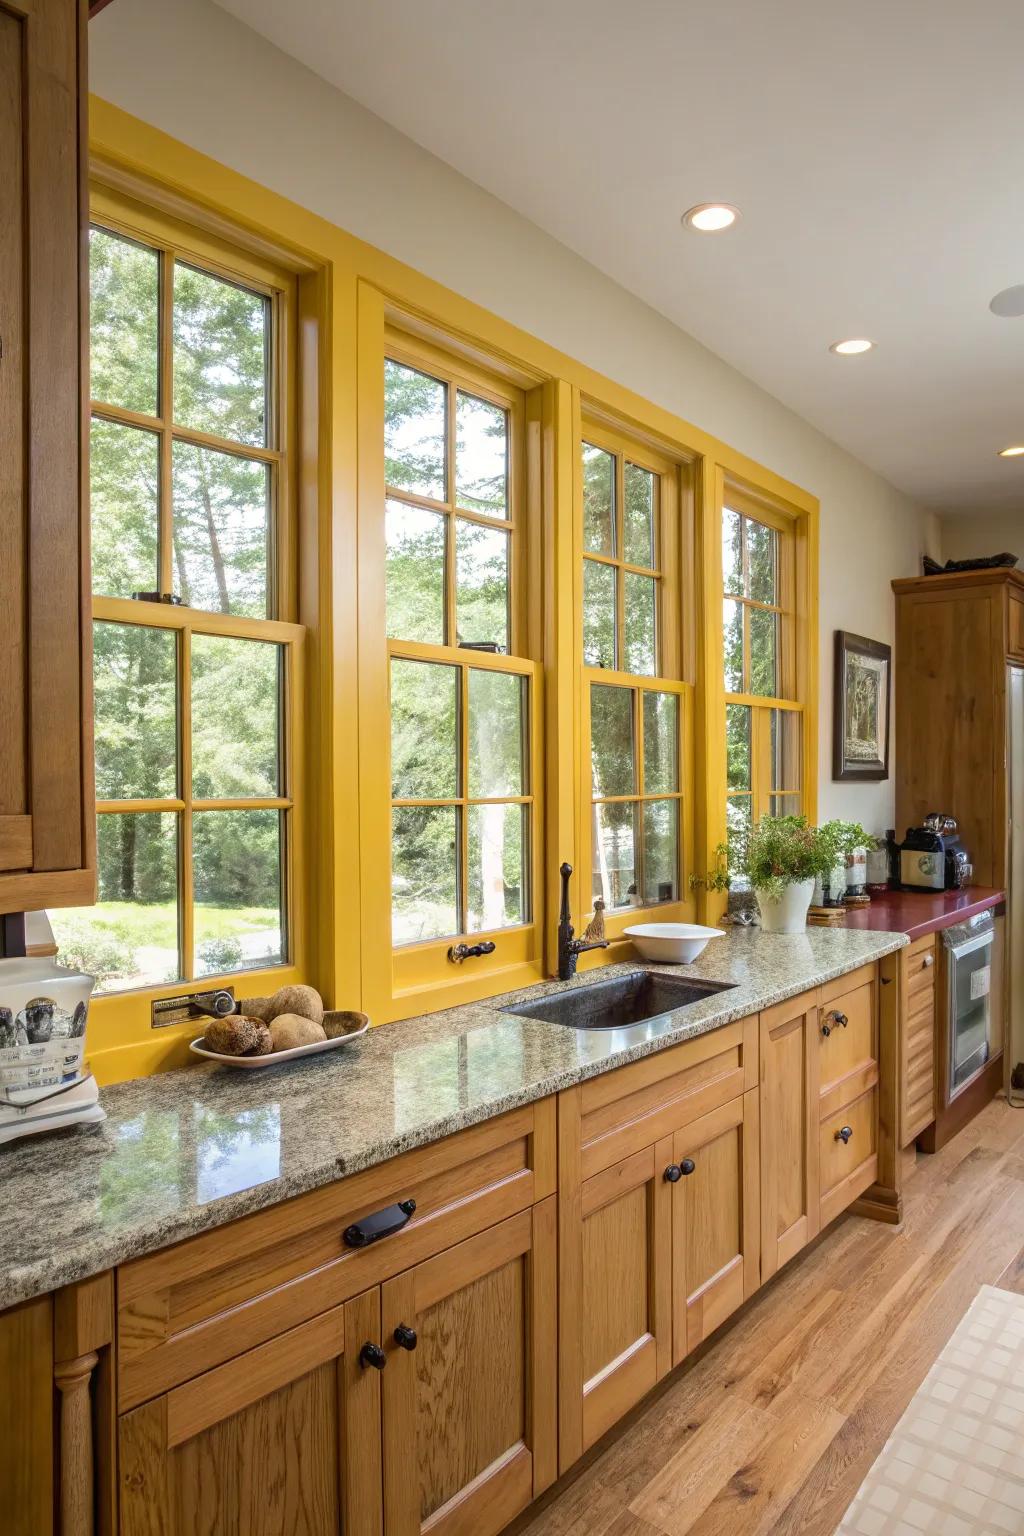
(217, 1295)
(622, 1112)
(847, 1034)
(847, 1167)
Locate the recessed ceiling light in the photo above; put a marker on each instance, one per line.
(1009, 304)
(1013, 452)
(709, 218)
(852, 347)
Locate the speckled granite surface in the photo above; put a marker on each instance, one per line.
(188, 1150)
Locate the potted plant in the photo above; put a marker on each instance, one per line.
(782, 857)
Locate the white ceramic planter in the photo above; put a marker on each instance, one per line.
(789, 913)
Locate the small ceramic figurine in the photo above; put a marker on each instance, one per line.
(595, 928)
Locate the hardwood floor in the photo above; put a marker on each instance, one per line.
(776, 1423)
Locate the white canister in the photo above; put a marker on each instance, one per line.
(44, 1009)
(856, 872)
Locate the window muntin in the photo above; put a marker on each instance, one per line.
(622, 573)
(636, 795)
(193, 762)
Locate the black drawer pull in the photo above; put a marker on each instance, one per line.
(687, 1165)
(837, 1020)
(381, 1224)
(405, 1337)
(372, 1354)
(845, 1134)
(673, 1173)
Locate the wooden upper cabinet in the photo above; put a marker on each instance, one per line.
(46, 783)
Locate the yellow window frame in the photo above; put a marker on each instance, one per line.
(114, 1016)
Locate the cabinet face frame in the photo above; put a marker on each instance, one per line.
(483, 1504)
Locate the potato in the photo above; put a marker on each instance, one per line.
(291, 1029)
(238, 1035)
(305, 1001)
(258, 1008)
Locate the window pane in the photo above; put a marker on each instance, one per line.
(613, 759)
(497, 837)
(496, 735)
(785, 738)
(130, 937)
(135, 705)
(481, 575)
(614, 853)
(221, 531)
(423, 873)
(424, 731)
(415, 573)
(124, 282)
(236, 879)
(124, 492)
(661, 743)
(415, 435)
(598, 614)
(236, 688)
(481, 456)
(732, 552)
(737, 745)
(640, 648)
(221, 352)
(764, 632)
(785, 805)
(761, 558)
(598, 500)
(638, 515)
(738, 814)
(661, 850)
(732, 637)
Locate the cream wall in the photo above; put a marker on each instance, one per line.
(979, 533)
(195, 72)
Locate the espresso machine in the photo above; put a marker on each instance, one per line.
(932, 857)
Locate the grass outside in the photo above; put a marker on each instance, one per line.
(132, 944)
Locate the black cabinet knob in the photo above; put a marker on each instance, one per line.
(405, 1337)
(687, 1165)
(844, 1134)
(372, 1355)
(673, 1173)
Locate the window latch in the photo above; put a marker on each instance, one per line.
(157, 597)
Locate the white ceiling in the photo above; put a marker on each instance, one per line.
(875, 148)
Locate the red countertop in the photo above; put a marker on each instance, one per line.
(919, 912)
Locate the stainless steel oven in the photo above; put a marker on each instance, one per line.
(969, 953)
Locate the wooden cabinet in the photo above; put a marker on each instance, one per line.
(47, 855)
(27, 1471)
(658, 1229)
(283, 1438)
(917, 1038)
(470, 1411)
(715, 1220)
(789, 1130)
(1015, 625)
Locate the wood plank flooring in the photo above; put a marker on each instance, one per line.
(776, 1423)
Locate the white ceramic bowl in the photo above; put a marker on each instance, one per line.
(671, 943)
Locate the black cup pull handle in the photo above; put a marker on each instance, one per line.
(371, 1355)
(370, 1229)
(405, 1337)
(844, 1134)
(673, 1173)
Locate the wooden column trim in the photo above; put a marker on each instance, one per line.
(73, 1379)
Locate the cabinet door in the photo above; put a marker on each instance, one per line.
(715, 1221)
(470, 1383)
(284, 1438)
(46, 811)
(615, 1294)
(917, 1038)
(789, 1130)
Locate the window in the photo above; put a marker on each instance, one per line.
(195, 669)
(634, 700)
(462, 723)
(763, 717)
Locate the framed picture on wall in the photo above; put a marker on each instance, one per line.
(860, 708)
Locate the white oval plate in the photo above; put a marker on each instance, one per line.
(273, 1058)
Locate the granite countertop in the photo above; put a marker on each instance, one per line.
(185, 1151)
(916, 913)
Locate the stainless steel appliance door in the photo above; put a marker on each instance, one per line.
(1015, 895)
(970, 1007)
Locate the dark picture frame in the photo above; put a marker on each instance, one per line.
(861, 708)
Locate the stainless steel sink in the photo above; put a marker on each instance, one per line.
(620, 1001)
